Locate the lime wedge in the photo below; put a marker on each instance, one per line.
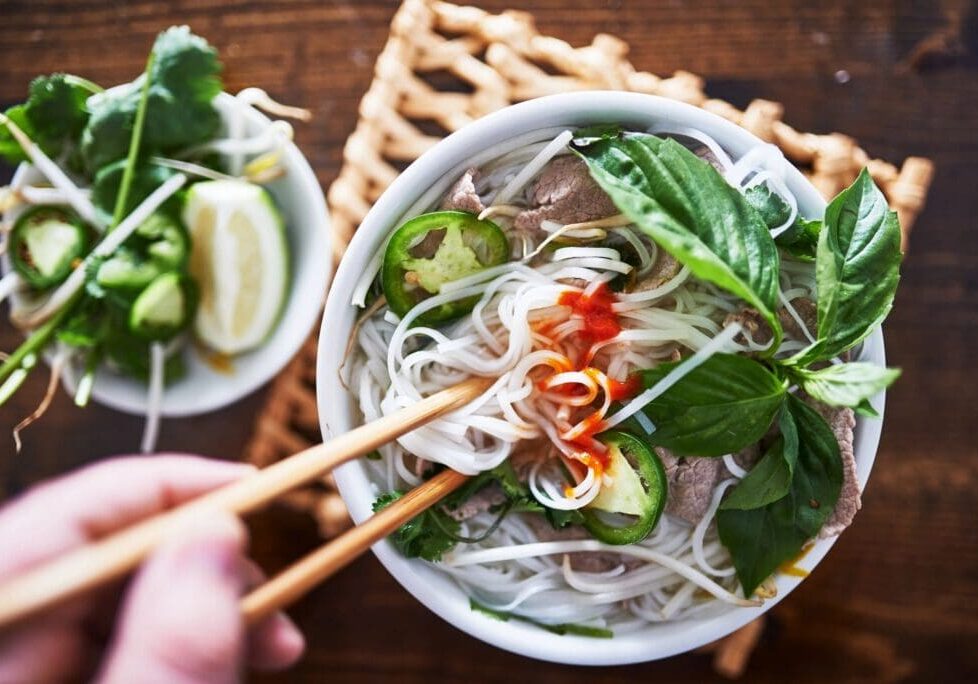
(239, 258)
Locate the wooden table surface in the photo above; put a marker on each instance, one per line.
(896, 599)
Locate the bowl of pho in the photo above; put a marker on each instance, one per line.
(688, 370)
(167, 245)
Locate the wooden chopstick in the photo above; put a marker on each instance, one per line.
(303, 575)
(101, 562)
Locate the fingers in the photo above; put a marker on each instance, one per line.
(99, 499)
(181, 622)
(275, 642)
(50, 648)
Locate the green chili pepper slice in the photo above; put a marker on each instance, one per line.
(46, 243)
(164, 307)
(636, 497)
(437, 248)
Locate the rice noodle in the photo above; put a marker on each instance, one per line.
(699, 136)
(535, 166)
(549, 393)
(58, 178)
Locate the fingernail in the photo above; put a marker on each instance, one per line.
(289, 636)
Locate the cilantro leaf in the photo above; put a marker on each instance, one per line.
(54, 114)
(428, 535)
(184, 79)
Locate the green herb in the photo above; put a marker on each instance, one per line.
(560, 519)
(184, 79)
(770, 479)
(518, 496)
(562, 629)
(857, 269)
(688, 208)
(720, 407)
(423, 536)
(773, 209)
(760, 539)
(846, 384)
(800, 240)
(134, 142)
(37, 340)
(54, 114)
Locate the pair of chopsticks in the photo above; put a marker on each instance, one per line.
(108, 559)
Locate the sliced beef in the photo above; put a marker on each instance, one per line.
(462, 196)
(760, 331)
(566, 193)
(665, 269)
(691, 482)
(748, 457)
(807, 311)
(480, 502)
(706, 154)
(842, 421)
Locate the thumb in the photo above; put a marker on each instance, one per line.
(180, 621)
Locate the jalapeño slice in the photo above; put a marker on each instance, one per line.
(628, 510)
(46, 243)
(437, 248)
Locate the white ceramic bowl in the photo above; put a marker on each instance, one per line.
(204, 388)
(338, 412)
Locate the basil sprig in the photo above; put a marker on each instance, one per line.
(687, 207)
(729, 402)
(720, 407)
(857, 268)
(770, 479)
(762, 533)
(845, 384)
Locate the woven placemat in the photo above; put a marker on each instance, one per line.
(446, 65)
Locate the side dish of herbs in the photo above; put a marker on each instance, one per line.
(673, 417)
(137, 224)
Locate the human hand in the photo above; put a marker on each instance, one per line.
(179, 620)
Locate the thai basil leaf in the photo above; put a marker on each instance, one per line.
(720, 407)
(687, 207)
(800, 240)
(846, 384)
(865, 409)
(761, 539)
(856, 269)
(771, 478)
(592, 134)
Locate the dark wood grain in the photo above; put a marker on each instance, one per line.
(896, 598)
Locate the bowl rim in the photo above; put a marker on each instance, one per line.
(335, 404)
(110, 388)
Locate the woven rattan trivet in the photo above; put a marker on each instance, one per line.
(482, 62)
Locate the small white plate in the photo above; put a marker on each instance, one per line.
(205, 388)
